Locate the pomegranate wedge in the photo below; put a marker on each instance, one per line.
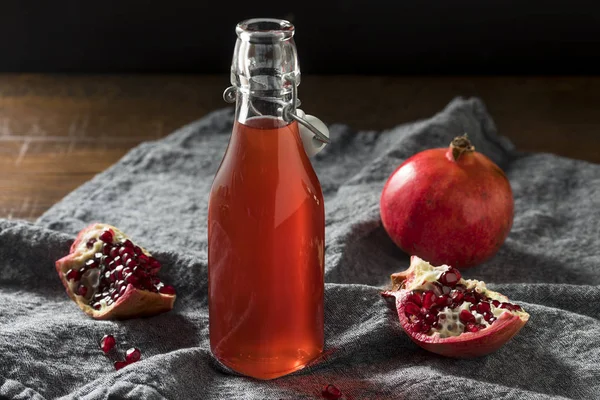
(451, 316)
(110, 277)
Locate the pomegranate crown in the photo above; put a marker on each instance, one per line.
(461, 145)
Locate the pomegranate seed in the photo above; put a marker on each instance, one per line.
(120, 364)
(428, 299)
(436, 325)
(517, 307)
(457, 296)
(470, 297)
(438, 288)
(154, 263)
(125, 257)
(132, 279)
(460, 287)
(107, 236)
(133, 355)
(82, 291)
(495, 303)
(167, 289)
(330, 392)
(72, 274)
(114, 252)
(154, 266)
(122, 290)
(107, 343)
(430, 319)
(491, 320)
(420, 326)
(450, 278)
(473, 308)
(106, 249)
(127, 243)
(506, 306)
(412, 309)
(90, 243)
(131, 263)
(137, 250)
(150, 287)
(414, 297)
(483, 307)
(466, 316)
(143, 259)
(470, 327)
(443, 300)
(92, 263)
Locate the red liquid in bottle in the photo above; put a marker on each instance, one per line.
(266, 251)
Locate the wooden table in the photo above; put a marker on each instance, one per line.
(58, 131)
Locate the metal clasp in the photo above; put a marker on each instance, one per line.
(229, 94)
(288, 111)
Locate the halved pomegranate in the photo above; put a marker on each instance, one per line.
(451, 316)
(110, 277)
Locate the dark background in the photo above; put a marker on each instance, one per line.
(364, 37)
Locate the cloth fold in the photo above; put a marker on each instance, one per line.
(158, 195)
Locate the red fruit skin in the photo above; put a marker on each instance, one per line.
(132, 304)
(448, 212)
(467, 345)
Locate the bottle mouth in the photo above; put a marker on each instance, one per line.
(264, 30)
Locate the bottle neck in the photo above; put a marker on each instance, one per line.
(263, 60)
(252, 108)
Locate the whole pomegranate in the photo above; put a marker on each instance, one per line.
(451, 316)
(449, 206)
(110, 277)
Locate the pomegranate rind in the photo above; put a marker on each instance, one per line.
(403, 277)
(456, 212)
(467, 344)
(133, 303)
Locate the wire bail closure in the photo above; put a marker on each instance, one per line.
(288, 112)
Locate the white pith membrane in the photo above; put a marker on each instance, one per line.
(91, 277)
(424, 275)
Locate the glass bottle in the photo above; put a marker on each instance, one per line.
(266, 221)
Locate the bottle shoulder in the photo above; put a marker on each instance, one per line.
(269, 161)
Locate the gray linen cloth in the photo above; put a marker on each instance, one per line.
(158, 194)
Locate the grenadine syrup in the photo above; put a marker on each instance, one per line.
(266, 251)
